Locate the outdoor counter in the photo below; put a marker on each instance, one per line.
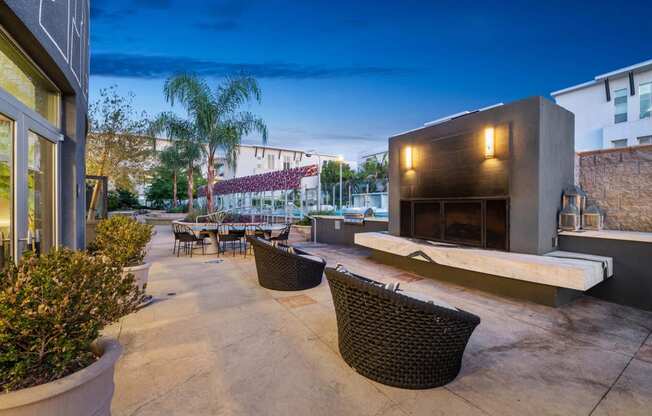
(331, 229)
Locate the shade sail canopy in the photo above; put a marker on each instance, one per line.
(270, 181)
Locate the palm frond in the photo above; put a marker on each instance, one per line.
(236, 91)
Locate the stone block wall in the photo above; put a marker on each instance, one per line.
(620, 182)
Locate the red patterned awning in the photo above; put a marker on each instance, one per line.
(271, 181)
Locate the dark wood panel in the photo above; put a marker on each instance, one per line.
(456, 166)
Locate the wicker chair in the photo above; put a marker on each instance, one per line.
(394, 339)
(280, 269)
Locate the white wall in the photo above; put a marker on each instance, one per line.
(594, 115)
(248, 163)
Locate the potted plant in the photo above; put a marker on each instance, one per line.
(124, 240)
(52, 309)
(304, 227)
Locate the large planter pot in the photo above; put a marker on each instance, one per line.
(141, 274)
(304, 230)
(84, 393)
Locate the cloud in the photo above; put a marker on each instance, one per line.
(153, 67)
(226, 15)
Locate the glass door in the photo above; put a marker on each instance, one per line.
(41, 218)
(7, 133)
(28, 182)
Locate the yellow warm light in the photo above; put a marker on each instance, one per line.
(489, 142)
(408, 157)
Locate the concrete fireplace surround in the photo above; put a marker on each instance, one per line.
(534, 161)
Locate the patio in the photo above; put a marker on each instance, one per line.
(215, 342)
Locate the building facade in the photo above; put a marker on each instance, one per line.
(379, 156)
(43, 124)
(257, 159)
(613, 109)
(254, 160)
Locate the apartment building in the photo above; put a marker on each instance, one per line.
(613, 109)
(43, 124)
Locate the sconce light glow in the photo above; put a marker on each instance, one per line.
(408, 157)
(489, 142)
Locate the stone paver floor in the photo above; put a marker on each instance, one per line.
(216, 343)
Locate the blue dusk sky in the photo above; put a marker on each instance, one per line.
(343, 76)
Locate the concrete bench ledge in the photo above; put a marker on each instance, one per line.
(560, 269)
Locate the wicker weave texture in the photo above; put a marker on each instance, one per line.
(280, 270)
(396, 340)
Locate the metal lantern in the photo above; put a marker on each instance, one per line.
(592, 218)
(569, 218)
(574, 196)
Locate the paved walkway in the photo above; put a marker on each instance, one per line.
(216, 343)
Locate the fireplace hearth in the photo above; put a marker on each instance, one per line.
(468, 221)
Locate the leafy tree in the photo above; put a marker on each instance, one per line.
(373, 172)
(116, 146)
(216, 117)
(184, 134)
(160, 191)
(330, 172)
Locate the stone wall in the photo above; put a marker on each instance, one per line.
(620, 182)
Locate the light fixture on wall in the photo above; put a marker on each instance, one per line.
(489, 142)
(408, 157)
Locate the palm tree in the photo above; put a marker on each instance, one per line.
(216, 116)
(171, 159)
(189, 148)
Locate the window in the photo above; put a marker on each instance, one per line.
(22, 80)
(645, 140)
(645, 91)
(619, 143)
(270, 162)
(620, 103)
(287, 162)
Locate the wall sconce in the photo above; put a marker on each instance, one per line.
(489, 142)
(408, 157)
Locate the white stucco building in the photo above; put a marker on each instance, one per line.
(255, 159)
(613, 109)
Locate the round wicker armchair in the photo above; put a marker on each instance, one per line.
(284, 268)
(394, 339)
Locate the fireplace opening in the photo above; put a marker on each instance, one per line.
(474, 222)
(463, 222)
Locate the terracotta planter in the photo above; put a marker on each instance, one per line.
(84, 393)
(304, 230)
(141, 274)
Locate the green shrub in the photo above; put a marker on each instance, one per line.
(52, 308)
(122, 239)
(178, 209)
(122, 199)
(304, 221)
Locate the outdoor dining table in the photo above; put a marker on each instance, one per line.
(211, 230)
